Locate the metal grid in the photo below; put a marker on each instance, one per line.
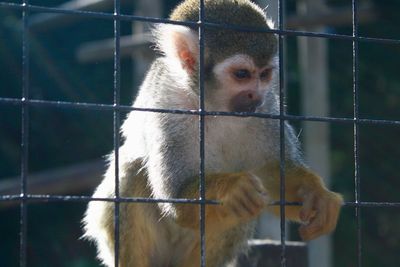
(25, 103)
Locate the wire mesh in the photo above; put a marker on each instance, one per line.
(116, 123)
(202, 187)
(24, 135)
(356, 130)
(282, 133)
(25, 103)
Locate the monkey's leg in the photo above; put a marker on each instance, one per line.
(143, 239)
(320, 210)
(242, 198)
(222, 247)
(143, 233)
(143, 236)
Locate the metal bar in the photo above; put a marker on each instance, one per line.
(103, 49)
(356, 130)
(46, 198)
(116, 123)
(282, 134)
(103, 15)
(74, 198)
(332, 17)
(93, 14)
(124, 108)
(24, 137)
(372, 204)
(202, 188)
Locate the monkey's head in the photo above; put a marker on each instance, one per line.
(238, 65)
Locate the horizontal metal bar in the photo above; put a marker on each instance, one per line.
(48, 198)
(333, 17)
(103, 49)
(93, 14)
(368, 204)
(111, 107)
(69, 198)
(110, 16)
(330, 17)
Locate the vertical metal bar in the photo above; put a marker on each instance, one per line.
(356, 130)
(116, 120)
(282, 135)
(202, 188)
(24, 134)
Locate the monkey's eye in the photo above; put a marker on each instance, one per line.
(242, 74)
(266, 74)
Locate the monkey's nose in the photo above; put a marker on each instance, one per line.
(246, 101)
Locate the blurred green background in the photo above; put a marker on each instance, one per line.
(63, 137)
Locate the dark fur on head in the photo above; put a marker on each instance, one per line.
(222, 43)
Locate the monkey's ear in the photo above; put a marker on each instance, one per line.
(178, 43)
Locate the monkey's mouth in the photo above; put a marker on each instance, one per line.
(249, 108)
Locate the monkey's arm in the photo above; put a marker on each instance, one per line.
(241, 195)
(320, 209)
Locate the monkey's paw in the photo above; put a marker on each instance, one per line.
(242, 199)
(319, 213)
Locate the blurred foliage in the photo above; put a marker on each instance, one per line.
(60, 137)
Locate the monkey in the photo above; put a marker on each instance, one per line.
(160, 159)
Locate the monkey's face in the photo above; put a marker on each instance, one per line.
(242, 85)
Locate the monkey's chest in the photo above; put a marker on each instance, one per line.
(231, 146)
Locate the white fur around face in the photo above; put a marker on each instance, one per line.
(242, 60)
(230, 86)
(171, 39)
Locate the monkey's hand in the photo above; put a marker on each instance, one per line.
(320, 210)
(241, 195)
(242, 198)
(319, 213)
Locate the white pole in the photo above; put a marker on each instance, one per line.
(313, 62)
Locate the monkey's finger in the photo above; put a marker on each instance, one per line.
(325, 220)
(312, 230)
(247, 209)
(316, 225)
(254, 204)
(257, 184)
(331, 219)
(234, 210)
(242, 207)
(333, 211)
(307, 212)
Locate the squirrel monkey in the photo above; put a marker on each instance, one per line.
(160, 154)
